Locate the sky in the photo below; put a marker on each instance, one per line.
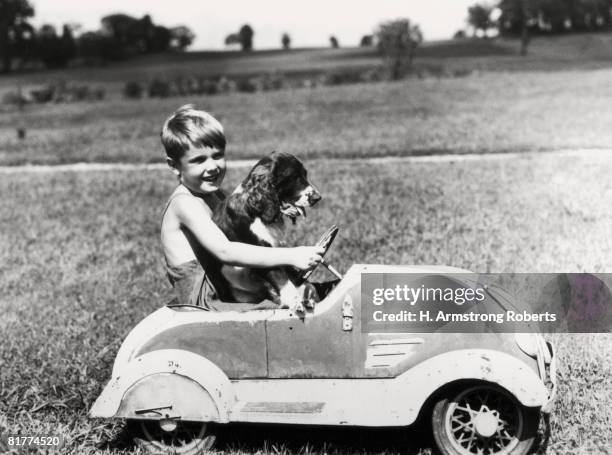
(308, 23)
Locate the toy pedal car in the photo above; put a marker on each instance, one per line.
(183, 370)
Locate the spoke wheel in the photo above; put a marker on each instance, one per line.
(484, 420)
(173, 437)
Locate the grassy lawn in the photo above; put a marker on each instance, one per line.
(557, 97)
(488, 112)
(82, 264)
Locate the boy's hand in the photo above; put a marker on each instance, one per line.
(307, 257)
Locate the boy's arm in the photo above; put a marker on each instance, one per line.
(191, 214)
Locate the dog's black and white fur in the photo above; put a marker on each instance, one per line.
(275, 188)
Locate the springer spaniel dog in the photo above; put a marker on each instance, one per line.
(275, 188)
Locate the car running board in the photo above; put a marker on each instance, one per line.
(281, 407)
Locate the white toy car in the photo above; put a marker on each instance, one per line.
(183, 370)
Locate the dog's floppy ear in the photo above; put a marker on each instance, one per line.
(262, 200)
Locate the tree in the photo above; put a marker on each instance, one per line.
(96, 47)
(135, 36)
(286, 41)
(181, 37)
(125, 32)
(479, 17)
(525, 18)
(366, 41)
(120, 27)
(517, 16)
(24, 42)
(13, 22)
(48, 46)
(246, 37)
(67, 43)
(158, 39)
(231, 39)
(55, 51)
(397, 41)
(333, 41)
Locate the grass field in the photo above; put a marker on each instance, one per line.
(555, 98)
(490, 112)
(82, 264)
(592, 50)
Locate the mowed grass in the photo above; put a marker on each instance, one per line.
(487, 112)
(557, 97)
(81, 265)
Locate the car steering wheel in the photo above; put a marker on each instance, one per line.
(325, 241)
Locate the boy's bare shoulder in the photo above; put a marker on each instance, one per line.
(182, 203)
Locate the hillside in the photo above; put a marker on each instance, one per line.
(438, 57)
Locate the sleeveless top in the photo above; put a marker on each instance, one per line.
(197, 282)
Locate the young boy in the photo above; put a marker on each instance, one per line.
(194, 247)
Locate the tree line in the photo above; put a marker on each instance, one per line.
(525, 18)
(119, 36)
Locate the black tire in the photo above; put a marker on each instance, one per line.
(188, 438)
(483, 419)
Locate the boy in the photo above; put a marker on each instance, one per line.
(194, 247)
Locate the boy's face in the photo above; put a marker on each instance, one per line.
(200, 169)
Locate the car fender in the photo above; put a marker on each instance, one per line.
(167, 383)
(422, 381)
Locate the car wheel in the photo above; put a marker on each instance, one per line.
(484, 420)
(173, 436)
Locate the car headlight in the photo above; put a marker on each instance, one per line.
(528, 343)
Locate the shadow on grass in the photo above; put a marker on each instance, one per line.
(249, 438)
(543, 437)
(120, 441)
(279, 439)
(304, 439)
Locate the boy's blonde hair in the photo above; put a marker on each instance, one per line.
(190, 126)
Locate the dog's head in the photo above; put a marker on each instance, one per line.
(278, 184)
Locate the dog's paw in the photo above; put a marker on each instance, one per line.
(298, 308)
(292, 298)
(296, 305)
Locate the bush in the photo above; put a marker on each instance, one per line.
(14, 98)
(175, 88)
(341, 77)
(159, 89)
(99, 93)
(80, 93)
(191, 85)
(462, 72)
(225, 85)
(61, 92)
(247, 85)
(133, 90)
(43, 95)
(372, 75)
(179, 87)
(273, 81)
(207, 87)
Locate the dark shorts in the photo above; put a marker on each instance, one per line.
(192, 287)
